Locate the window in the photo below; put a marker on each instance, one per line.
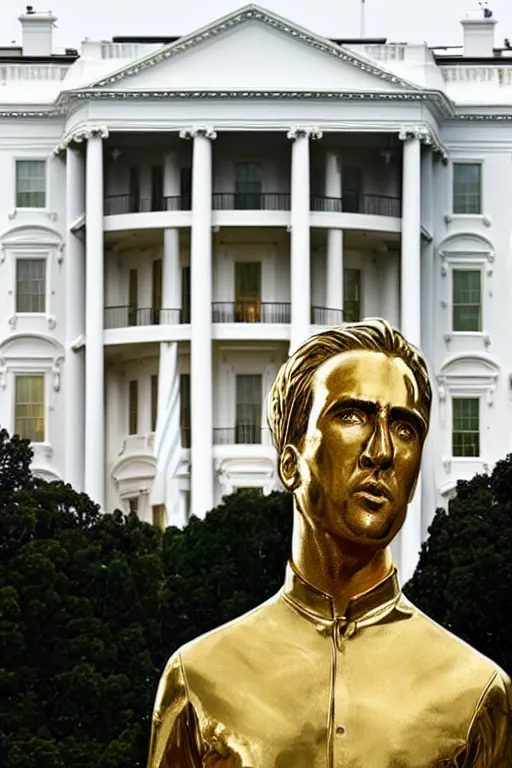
(467, 188)
(29, 408)
(157, 290)
(154, 402)
(352, 189)
(351, 295)
(248, 409)
(133, 407)
(133, 296)
(248, 186)
(467, 300)
(186, 188)
(185, 409)
(158, 511)
(133, 505)
(30, 183)
(466, 426)
(31, 285)
(157, 188)
(248, 292)
(185, 294)
(134, 190)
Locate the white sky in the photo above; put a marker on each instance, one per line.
(436, 21)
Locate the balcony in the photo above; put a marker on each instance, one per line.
(325, 316)
(371, 205)
(250, 312)
(242, 434)
(126, 316)
(115, 205)
(251, 201)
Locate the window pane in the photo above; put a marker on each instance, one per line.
(185, 409)
(467, 184)
(29, 408)
(467, 300)
(248, 408)
(133, 407)
(154, 402)
(351, 295)
(30, 183)
(466, 426)
(31, 285)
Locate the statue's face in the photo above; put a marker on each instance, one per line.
(360, 459)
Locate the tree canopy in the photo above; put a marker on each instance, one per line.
(92, 605)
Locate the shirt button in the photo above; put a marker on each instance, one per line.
(340, 730)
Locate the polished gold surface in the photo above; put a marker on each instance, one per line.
(339, 669)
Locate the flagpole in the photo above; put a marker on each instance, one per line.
(363, 19)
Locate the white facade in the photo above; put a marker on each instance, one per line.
(175, 217)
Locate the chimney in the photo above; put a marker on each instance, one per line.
(37, 29)
(479, 33)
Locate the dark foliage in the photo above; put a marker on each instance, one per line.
(464, 576)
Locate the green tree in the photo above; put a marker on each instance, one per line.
(464, 576)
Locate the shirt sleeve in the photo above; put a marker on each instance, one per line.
(175, 734)
(490, 733)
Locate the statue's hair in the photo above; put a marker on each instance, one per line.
(290, 399)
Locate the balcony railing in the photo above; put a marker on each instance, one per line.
(250, 312)
(373, 205)
(242, 434)
(126, 316)
(118, 204)
(325, 316)
(251, 201)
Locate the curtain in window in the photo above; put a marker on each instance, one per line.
(351, 295)
(466, 426)
(248, 408)
(29, 408)
(30, 285)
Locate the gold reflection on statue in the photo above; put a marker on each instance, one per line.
(339, 669)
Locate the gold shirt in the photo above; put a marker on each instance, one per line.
(292, 685)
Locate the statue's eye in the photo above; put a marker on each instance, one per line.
(405, 431)
(351, 416)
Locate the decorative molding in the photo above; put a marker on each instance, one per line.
(31, 113)
(12, 322)
(302, 132)
(423, 133)
(253, 13)
(2, 254)
(12, 215)
(484, 218)
(447, 464)
(205, 132)
(56, 372)
(52, 322)
(79, 135)
(3, 374)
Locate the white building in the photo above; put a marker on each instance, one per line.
(175, 214)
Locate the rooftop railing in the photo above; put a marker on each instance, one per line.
(250, 312)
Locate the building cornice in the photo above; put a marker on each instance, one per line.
(423, 133)
(252, 13)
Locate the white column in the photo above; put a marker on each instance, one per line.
(300, 268)
(334, 271)
(74, 378)
(410, 537)
(411, 234)
(171, 268)
(389, 276)
(94, 307)
(201, 369)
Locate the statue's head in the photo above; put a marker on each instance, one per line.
(349, 413)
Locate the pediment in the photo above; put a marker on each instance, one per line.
(253, 50)
(470, 367)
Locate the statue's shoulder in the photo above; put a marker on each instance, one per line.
(233, 639)
(441, 648)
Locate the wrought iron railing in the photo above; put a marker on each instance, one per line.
(242, 434)
(250, 312)
(118, 204)
(126, 316)
(352, 202)
(326, 316)
(251, 201)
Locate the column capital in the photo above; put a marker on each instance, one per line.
(80, 135)
(303, 132)
(423, 134)
(204, 131)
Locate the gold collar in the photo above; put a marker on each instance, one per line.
(319, 605)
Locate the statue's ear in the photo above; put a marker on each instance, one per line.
(289, 467)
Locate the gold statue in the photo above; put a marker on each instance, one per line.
(339, 669)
